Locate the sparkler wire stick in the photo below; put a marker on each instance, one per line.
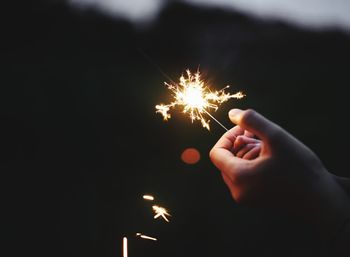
(218, 122)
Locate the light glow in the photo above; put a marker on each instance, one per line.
(195, 98)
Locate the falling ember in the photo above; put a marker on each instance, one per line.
(196, 98)
(160, 212)
(148, 197)
(146, 237)
(125, 247)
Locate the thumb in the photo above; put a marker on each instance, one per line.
(256, 123)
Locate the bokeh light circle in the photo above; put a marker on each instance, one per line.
(190, 156)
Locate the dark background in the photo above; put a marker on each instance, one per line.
(81, 142)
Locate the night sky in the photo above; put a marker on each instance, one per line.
(81, 142)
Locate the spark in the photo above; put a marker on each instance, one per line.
(196, 99)
(146, 237)
(148, 197)
(160, 212)
(125, 247)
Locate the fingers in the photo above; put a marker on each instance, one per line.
(221, 154)
(228, 139)
(235, 132)
(224, 160)
(248, 134)
(241, 141)
(252, 153)
(234, 142)
(246, 149)
(255, 123)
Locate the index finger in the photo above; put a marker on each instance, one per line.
(221, 154)
(228, 139)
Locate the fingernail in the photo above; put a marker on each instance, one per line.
(234, 112)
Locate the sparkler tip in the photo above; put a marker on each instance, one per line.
(195, 97)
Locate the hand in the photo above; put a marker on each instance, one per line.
(278, 171)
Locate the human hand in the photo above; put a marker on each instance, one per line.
(279, 171)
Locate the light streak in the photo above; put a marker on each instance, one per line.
(148, 197)
(146, 237)
(160, 212)
(195, 97)
(125, 247)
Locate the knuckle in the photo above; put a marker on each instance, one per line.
(240, 139)
(274, 135)
(248, 115)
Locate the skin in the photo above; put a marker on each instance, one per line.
(265, 166)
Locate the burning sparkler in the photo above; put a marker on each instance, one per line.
(146, 237)
(160, 212)
(196, 99)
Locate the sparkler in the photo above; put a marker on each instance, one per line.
(146, 237)
(196, 99)
(160, 212)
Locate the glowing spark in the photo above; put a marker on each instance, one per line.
(146, 237)
(148, 197)
(196, 98)
(160, 212)
(125, 247)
